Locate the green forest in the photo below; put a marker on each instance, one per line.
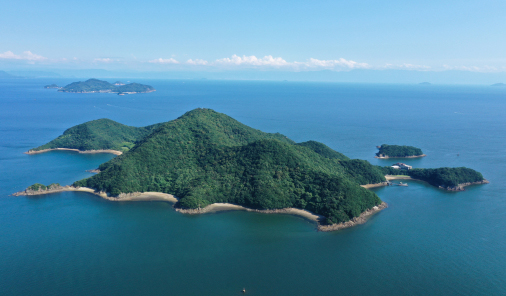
(398, 151)
(99, 134)
(205, 157)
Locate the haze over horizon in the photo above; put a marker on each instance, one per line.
(450, 42)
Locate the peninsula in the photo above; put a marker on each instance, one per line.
(100, 86)
(209, 161)
(396, 151)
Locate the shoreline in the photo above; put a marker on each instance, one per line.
(220, 207)
(355, 221)
(212, 208)
(387, 157)
(135, 196)
(115, 152)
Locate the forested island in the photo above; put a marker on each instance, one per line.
(205, 157)
(397, 151)
(452, 179)
(100, 86)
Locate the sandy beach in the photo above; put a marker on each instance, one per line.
(386, 157)
(217, 207)
(213, 208)
(116, 152)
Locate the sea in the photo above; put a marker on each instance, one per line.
(427, 242)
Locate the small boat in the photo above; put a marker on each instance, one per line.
(402, 184)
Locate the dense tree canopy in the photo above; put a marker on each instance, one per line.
(398, 151)
(205, 157)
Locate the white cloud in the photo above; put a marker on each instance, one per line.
(164, 61)
(334, 64)
(253, 61)
(197, 62)
(27, 56)
(103, 60)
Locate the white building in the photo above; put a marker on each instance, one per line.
(401, 166)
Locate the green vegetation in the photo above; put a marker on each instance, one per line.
(398, 151)
(38, 186)
(99, 134)
(95, 85)
(444, 177)
(205, 157)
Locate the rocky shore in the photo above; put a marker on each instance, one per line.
(217, 207)
(355, 221)
(460, 187)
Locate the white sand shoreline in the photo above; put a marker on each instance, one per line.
(116, 152)
(212, 208)
(387, 157)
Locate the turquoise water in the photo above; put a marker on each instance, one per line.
(428, 242)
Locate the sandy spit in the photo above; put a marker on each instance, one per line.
(116, 152)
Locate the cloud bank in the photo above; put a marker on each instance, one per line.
(236, 62)
(26, 56)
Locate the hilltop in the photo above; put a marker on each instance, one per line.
(100, 86)
(100, 134)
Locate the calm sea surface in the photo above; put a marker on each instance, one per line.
(428, 242)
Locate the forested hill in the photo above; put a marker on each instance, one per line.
(99, 134)
(205, 157)
(398, 151)
(95, 85)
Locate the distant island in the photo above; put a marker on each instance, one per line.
(52, 86)
(396, 151)
(100, 86)
(425, 83)
(499, 84)
(205, 160)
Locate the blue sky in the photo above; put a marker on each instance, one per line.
(266, 35)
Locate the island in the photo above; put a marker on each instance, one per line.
(425, 83)
(451, 179)
(396, 151)
(206, 161)
(100, 86)
(499, 84)
(52, 86)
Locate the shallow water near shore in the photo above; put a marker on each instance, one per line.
(428, 242)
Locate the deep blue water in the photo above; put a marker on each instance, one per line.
(428, 242)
